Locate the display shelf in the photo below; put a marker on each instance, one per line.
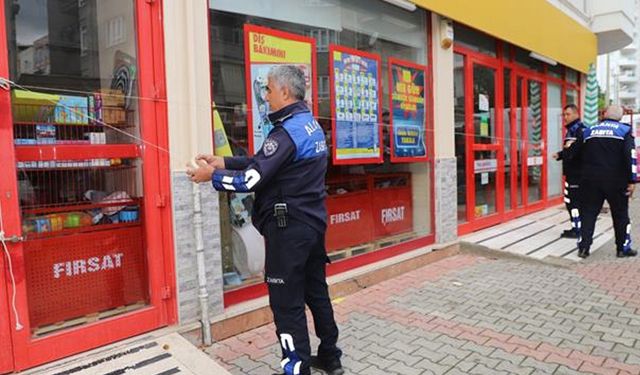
(83, 206)
(93, 168)
(76, 152)
(86, 229)
(33, 123)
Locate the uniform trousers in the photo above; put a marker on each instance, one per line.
(295, 272)
(592, 196)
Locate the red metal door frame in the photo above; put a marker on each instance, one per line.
(29, 352)
(524, 134)
(8, 189)
(473, 58)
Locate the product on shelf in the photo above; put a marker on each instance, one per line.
(72, 110)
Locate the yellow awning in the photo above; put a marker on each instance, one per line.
(535, 25)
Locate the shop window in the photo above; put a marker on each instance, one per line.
(572, 97)
(555, 70)
(79, 172)
(571, 75)
(460, 135)
(523, 58)
(474, 40)
(358, 223)
(554, 139)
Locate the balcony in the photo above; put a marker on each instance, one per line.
(627, 94)
(627, 78)
(627, 63)
(612, 22)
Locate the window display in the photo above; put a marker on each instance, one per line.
(374, 201)
(79, 168)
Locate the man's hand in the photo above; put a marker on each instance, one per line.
(202, 173)
(216, 162)
(630, 189)
(555, 156)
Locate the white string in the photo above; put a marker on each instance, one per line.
(216, 106)
(86, 115)
(13, 278)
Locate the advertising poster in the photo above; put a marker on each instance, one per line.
(265, 48)
(407, 83)
(356, 100)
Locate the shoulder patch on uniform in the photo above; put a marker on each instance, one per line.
(270, 146)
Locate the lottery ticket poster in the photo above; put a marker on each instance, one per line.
(407, 102)
(356, 100)
(265, 48)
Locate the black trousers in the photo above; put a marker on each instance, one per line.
(572, 203)
(295, 272)
(592, 195)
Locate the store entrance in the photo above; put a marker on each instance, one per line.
(528, 149)
(85, 262)
(483, 143)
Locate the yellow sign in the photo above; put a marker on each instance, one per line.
(264, 48)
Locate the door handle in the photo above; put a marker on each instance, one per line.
(13, 239)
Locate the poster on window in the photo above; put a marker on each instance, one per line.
(407, 102)
(356, 98)
(265, 48)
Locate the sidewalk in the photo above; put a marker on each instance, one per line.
(470, 314)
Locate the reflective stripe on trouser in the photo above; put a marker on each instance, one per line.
(572, 203)
(295, 275)
(592, 196)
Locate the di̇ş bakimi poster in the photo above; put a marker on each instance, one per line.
(265, 48)
(407, 102)
(356, 101)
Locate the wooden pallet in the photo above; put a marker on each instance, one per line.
(351, 251)
(392, 240)
(89, 318)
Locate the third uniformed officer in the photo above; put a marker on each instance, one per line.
(608, 158)
(287, 175)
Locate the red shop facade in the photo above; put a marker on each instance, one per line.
(87, 252)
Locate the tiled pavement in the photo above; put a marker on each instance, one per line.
(473, 315)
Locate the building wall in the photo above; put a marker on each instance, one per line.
(446, 224)
(190, 133)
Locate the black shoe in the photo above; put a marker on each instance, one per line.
(332, 367)
(583, 253)
(628, 253)
(569, 233)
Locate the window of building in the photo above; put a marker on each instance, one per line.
(79, 169)
(402, 208)
(474, 40)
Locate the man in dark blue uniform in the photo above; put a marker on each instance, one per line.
(608, 158)
(287, 175)
(571, 169)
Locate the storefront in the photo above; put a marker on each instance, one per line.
(369, 83)
(88, 254)
(103, 102)
(508, 108)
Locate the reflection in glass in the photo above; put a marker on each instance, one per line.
(506, 141)
(554, 139)
(484, 104)
(460, 140)
(534, 138)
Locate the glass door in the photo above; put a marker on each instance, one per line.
(80, 194)
(484, 143)
(531, 132)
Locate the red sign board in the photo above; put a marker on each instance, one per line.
(66, 278)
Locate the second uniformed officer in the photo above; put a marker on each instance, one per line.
(608, 158)
(288, 177)
(571, 169)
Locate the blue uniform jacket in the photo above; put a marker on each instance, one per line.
(290, 167)
(571, 167)
(608, 153)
